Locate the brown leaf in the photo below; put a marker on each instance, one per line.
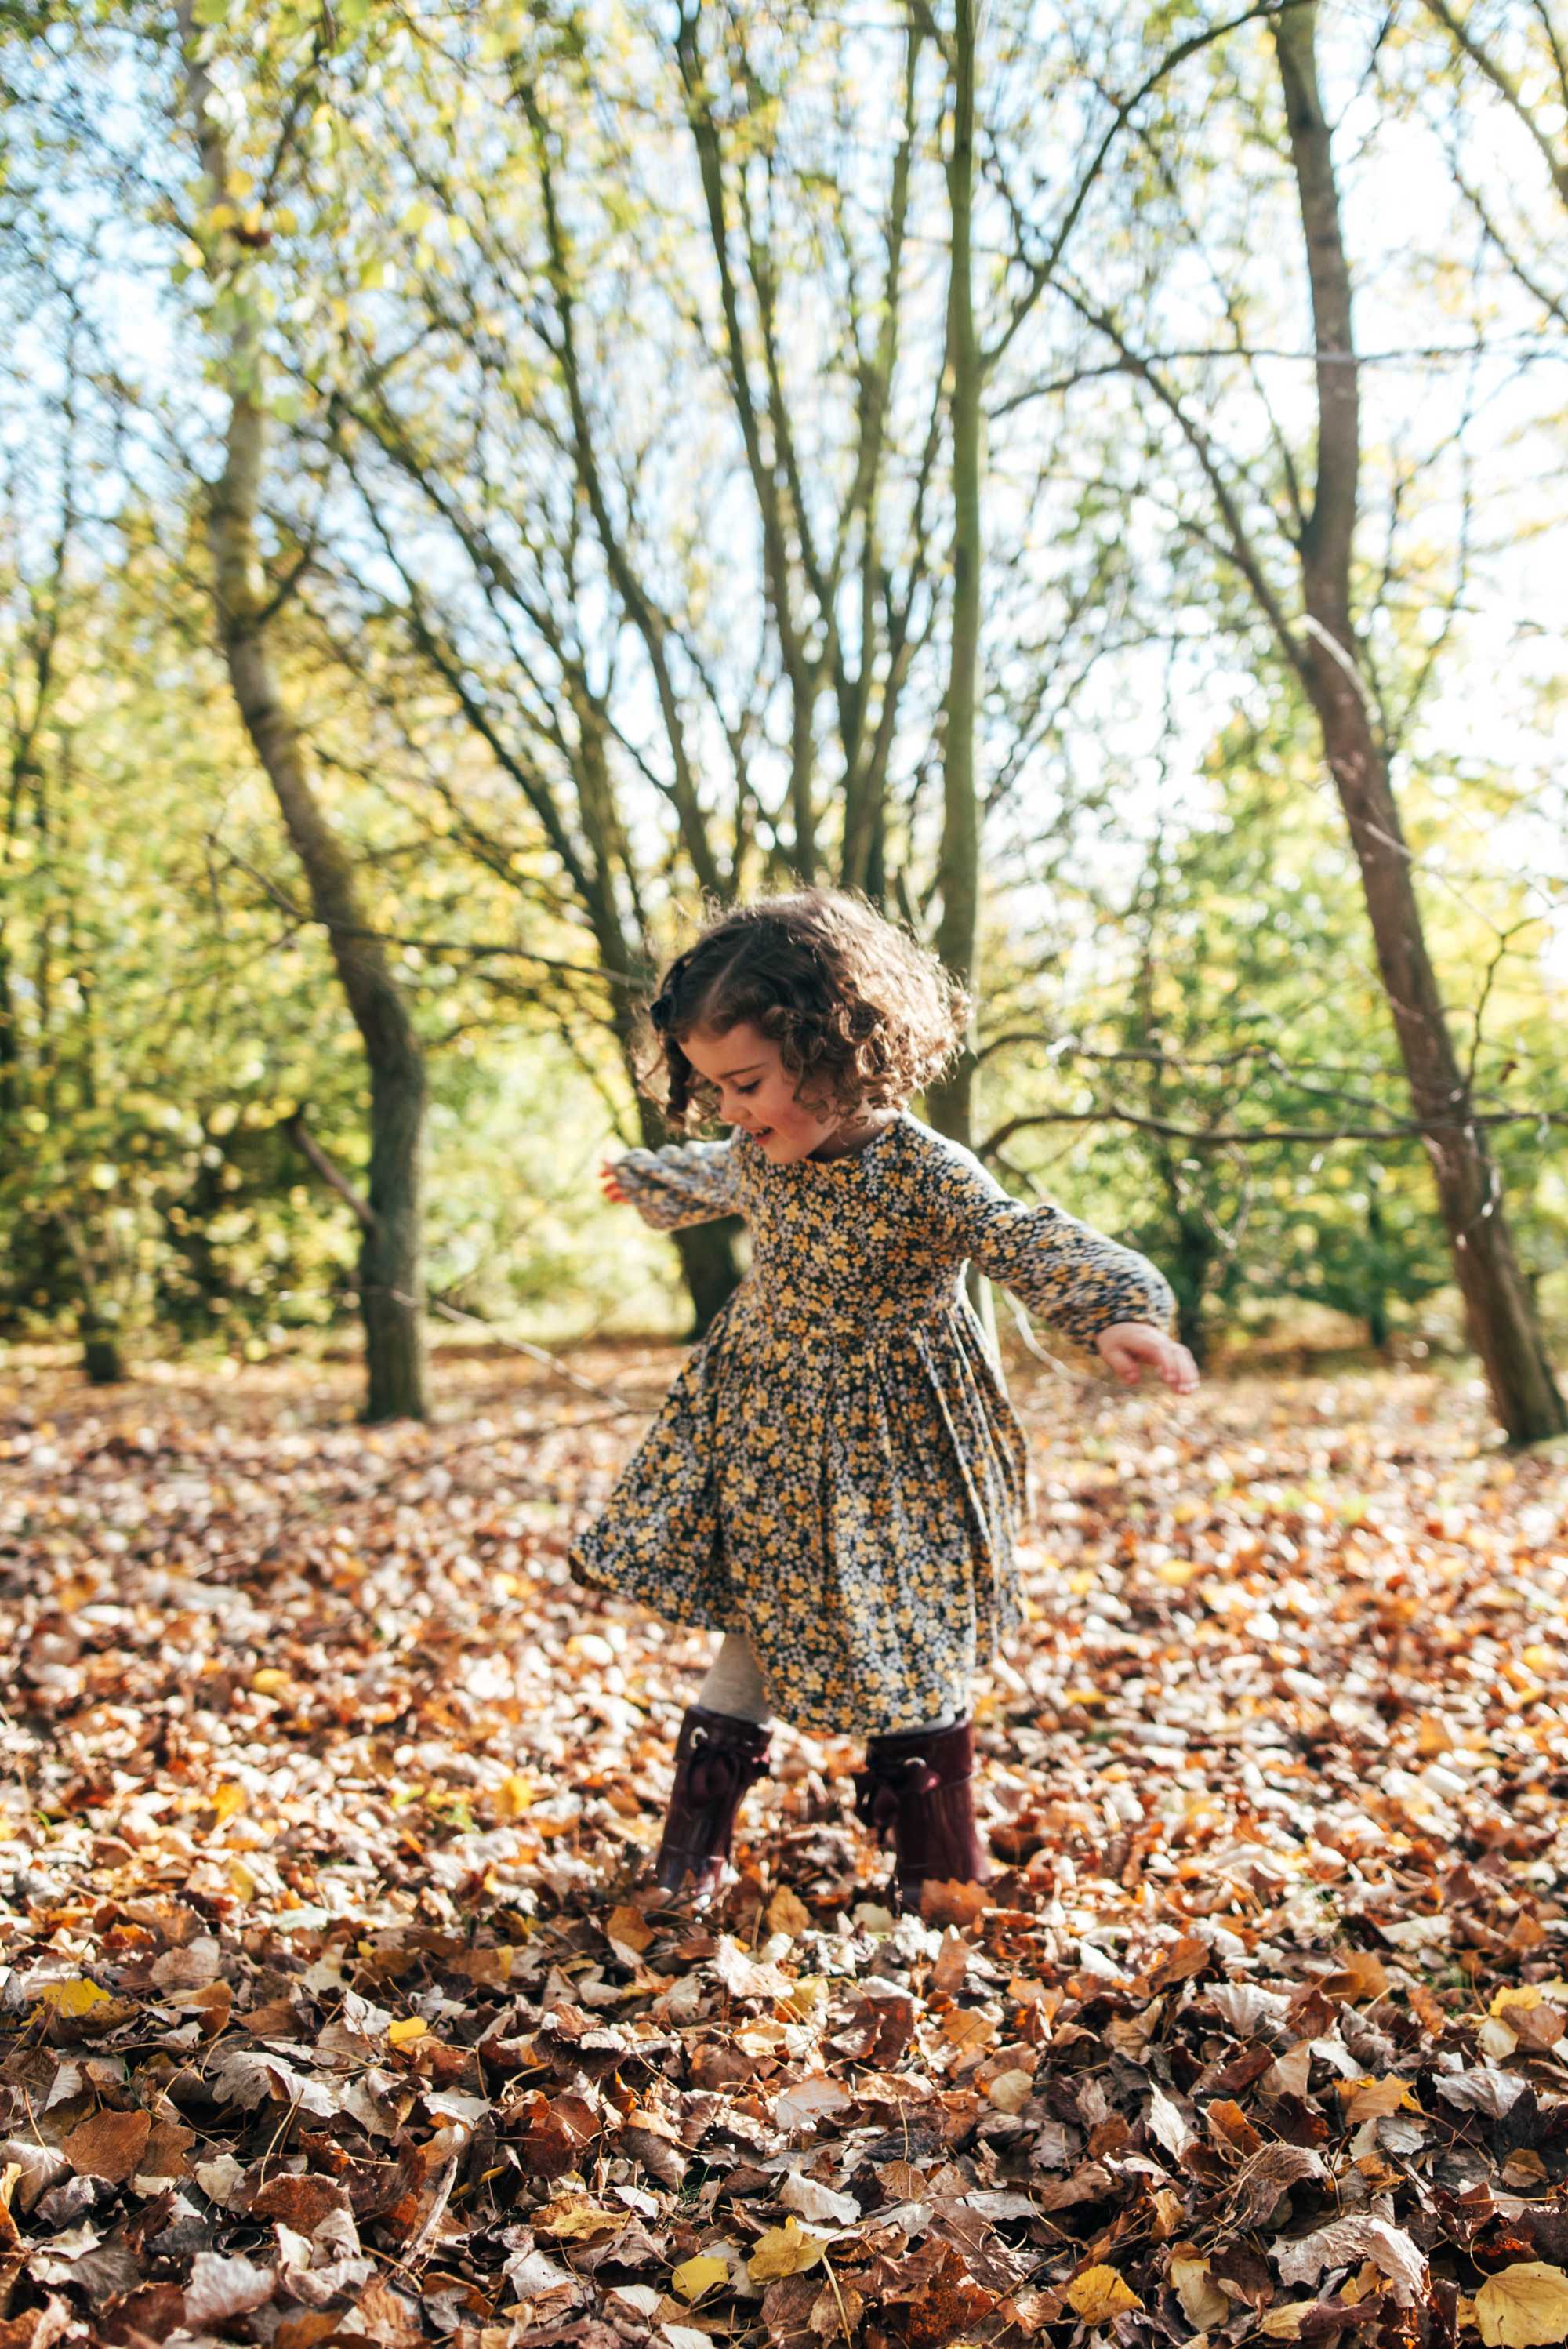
(38, 2327)
(554, 2131)
(951, 1965)
(108, 2144)
(1267, 2179)
(300, 2202)
(304, 2329)
(1360, 1977)
(163, 2156)
(953, 1904)
(1188, 1959)
(1230, 2127)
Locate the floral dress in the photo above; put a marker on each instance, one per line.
(837, 1471)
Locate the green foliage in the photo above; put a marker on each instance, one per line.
(468, 612)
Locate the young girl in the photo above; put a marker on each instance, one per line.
(837, 1478)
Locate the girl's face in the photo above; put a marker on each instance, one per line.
(756, 1092)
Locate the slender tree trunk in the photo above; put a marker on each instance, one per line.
(709, 1262)
(951, 1103)
(391, 1277)
(1502, 1325)
(712, 1274)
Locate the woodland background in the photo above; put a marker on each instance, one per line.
(475, 480)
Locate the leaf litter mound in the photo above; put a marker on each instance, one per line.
(330, 2012)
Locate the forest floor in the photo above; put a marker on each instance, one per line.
(328, 2013)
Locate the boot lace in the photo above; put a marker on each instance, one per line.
(884, 1787)
(720, 1773)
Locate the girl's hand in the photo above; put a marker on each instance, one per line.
(1132, 1347)
(610, 1185)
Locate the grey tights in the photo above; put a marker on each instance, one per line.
(734, 1685)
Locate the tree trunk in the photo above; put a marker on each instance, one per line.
(1503, 1326)
(712, 1274)
(391, 1293)
(1378, 1327)
(952, 1102)
(709, 1262)
(102, 1361)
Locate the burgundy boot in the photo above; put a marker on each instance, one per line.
(914, 1790)
(718, 1756)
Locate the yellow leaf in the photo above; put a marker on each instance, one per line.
(806, 1995)
(1524, 2306)
(513, 1795)
(1283, 2322)
(1176, 1572)
(1524, 1994)
(573, 2219)
(1082, 1696)
(407, 2029)
(1203, 2302)
(228, 1800)
(240, 1877)
(1099, 2293)
(75, 1997)
(269, 1680)
(693, 2277)
(783, 2252)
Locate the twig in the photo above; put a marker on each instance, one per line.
(305, 1143)
(620, 1408)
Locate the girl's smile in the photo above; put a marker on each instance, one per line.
(757, 1093)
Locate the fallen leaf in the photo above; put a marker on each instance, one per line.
(73, 1998)
(1204, 2304)
(1010, 2091)
(788, 1913)
(626, 1928)
(696, 2276)
(108, 2144)
(1284, 2320)
(819, 2203)
(1524, 2306)
(223, 2288)
(784, 2252)
(1098, 2293)
(572, 2219)
(1357, 2238)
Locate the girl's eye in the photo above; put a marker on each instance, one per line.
(748, 1088)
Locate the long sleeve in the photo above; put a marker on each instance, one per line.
(1065, 1271)
(686, 1183)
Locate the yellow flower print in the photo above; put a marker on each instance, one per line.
(837, 1470)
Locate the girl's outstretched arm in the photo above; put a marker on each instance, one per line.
(1089, 1287)
(686, 1183)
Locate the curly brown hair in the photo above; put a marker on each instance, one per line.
(862, 1014)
